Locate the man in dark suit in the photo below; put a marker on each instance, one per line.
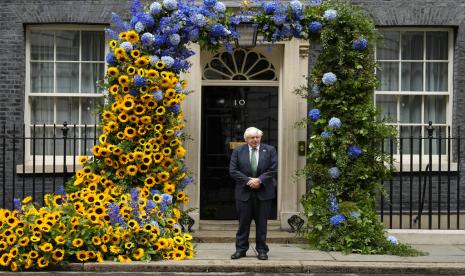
(253, 167)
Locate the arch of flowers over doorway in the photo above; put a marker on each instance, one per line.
(124, 204)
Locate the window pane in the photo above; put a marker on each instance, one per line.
(410, 109)
(388, 47)
(388, 106)
(412, 76)
(41, 110)
(91, 73)
(407, 132)
(67, 45)
(435, 109)
(41, 45)
(89, 112)
(435, 142)
(437, 76)
(67, 110)
(41, 77)
(412, 45)
(67, 78)
(388, 75)
(437, 45)
(41, 146)
(93, 46)
(89, 137)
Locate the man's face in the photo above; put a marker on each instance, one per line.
(253, 140)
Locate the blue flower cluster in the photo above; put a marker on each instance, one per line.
(329, 78)
(334, 123)
(166, 28)
(333, 206)
(360, 44)
(336, 220)
(314, 114)
(354, 151)
(393, 240)
(334, 172)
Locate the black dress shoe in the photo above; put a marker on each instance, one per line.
(262, 256)
(237, 255)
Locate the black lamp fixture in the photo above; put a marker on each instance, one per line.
(247, 35)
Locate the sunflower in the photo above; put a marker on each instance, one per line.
(81, 255)
(58, 255)
(138, 254)
(166, 83)
(160, 111)
(131, 170)
(178, 240)
(77, 242)
(163, 243)
(179, 255)
(180, 152)
(135, 53)
(166, 151)
(131, 70)
(123, 80)
(125, 89)
(170, 93)
(112, 72)
(124, 259)
(33, 254)
(139, 109)
(164, 176)
(151, 104)
(132, 37)
(113, 44)
(180, 195)
(157, 198)
(42, 262)
(5, 259)
(128, 104)
(14, 266)
(122, 35)
(129, 133)
(142, 61)
(169, 189)
(160, 65)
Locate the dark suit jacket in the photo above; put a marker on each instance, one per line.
(267, 167)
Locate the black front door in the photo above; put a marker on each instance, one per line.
(227, 112)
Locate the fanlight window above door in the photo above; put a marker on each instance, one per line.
(240, 65)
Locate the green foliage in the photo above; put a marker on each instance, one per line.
(350, 100)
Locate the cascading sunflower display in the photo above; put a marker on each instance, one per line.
(124, 203)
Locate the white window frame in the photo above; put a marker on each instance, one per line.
(28, 94)
(406, 164)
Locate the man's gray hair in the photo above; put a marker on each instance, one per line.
(252, 131)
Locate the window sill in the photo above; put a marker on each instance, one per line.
(48, 168)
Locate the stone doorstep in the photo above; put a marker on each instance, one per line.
(206, 236)
(257, 266)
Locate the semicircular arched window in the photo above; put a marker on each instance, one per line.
(242, 64)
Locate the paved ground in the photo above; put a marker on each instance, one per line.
(284, 259)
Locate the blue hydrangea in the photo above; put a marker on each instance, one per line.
(296, 6)
(17, 204)
(198, 20)
(354, 151)
(279, 19)
(147, 39)
(166, 198)
(150, 206)
(270, 7)
(333, 206)
(133, 92)
(315, 91)
(315, 27)
(110, 58)
(61, 191)
(178, 88)
(155, 8)
(336, 220)
(112, 34)
(209, 3)
(168, 61)
(127, 46)
(393, 240)
(175, 39)
(329, 78)
(314, 114)
(139, 27)
(170, 4)
(157, 96)
(314, 3)
(154, 59)
(187, 180)
(220, 7)
(330, 14)
(325, 134)
(334, 122)
(360, 44)
(218, 30)
(175, 109)
(194, 35)
(139, 81)
(334, 172)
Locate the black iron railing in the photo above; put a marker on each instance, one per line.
(425, 191)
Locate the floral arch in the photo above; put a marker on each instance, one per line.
(124, 204)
